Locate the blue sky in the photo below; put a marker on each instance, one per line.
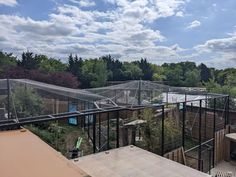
(159, 30)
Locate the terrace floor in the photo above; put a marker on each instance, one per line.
(131, 161)
(225, 167)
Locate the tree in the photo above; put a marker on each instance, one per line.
(75, 65)
(192, 78)
(114, 68)
(173, 74)
(29, 61)
(50, 64)
(158, 73)
(100, 74)
(7, 60)
(205, 73)
(213, 87)
(132, 71)
(95, 73)
(146, 69)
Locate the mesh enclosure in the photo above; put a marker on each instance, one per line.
(22, 98)
(149, 93)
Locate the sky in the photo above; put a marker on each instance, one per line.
(163, 31)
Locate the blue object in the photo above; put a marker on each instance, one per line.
(72, 108)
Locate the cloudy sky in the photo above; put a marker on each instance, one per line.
(159, 30)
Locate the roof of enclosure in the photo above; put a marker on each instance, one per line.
(148, 91)
(149, 85)
(78, 94)
(23, 154)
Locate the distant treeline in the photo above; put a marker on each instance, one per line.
(95, 72)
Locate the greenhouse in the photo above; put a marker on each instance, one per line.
(183, 124)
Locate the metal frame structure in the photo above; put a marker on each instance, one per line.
(81, 115)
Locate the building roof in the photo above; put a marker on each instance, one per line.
(133, 162)
(23, 154)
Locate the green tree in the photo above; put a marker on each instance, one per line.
(50, 64)
(158, 73)
(29, 61)
(146, 69)
(173, 74)
(7, 60)
(192, 78)
(131, 71)
(95, 73)
(205, 73)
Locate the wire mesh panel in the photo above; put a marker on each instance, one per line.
(172, 127)
(4, 100)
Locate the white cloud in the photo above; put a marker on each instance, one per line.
(93, 33)
(194, 24)
(8, 2)
(179, 14)
(84, 3)
(223, 51)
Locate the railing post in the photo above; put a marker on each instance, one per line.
(183, 128)
(225, 111)
(162, 130)
(228, 119)
(117, 130)
(8, 99)
(200, 136)
(108, 130)
(214, 130)
(94, 133)
(139, 92)
(99, 130)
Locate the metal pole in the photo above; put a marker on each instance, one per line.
(228, 118)
(205, 117)
(108, 130)
(200, 136)
(8, 99)
(99, 129)
(167, 97)
(209, 170)
(84, 123)
(117, 130)
(214, 130)
(225, 110)
(94, 133)
(88, 126)
(183, 128)
(162, 130)
(139, 92)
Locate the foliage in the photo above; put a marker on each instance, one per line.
(58, 78)
(50, 64)
(95, 73)
(61, 136)
(131, 71)
(213, 87)
(152, 131)
(26, 102)
(205, 73)
(6, 61)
